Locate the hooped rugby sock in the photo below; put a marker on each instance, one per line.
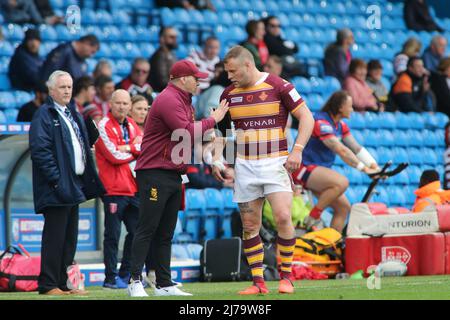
(254, 251)
(286, 248)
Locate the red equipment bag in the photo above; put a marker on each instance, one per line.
(18, 270)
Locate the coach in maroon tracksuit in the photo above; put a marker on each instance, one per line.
(159, 174)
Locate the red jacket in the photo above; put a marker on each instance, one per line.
(114, 165)
(171, 110)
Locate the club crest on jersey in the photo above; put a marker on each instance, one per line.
(113, 208)
(153, 194)
(249, 98)
(236, 99)
(263, 96)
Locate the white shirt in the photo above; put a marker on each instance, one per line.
(78, 153)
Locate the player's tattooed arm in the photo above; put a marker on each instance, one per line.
(352, 144)
(341, 150)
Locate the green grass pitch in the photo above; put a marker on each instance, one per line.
(404, 288)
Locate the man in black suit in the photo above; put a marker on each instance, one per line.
(64, 176)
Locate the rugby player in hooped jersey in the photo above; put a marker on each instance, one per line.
(259, 105)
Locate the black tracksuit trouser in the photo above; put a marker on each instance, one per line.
(160, 199)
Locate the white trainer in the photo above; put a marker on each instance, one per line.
(150, 278)
(171, 291)
(136, 289)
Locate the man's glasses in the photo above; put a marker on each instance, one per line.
(275, 25)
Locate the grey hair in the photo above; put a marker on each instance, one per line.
(436, 39)
(343, 34)
(51, 82)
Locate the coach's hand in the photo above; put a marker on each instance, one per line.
(219, 113)
(217, 173)
(293, 161)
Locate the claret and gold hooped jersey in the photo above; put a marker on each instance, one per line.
(260, 113)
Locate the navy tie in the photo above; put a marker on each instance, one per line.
(77, 132)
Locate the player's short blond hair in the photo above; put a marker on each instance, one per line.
(239, 53)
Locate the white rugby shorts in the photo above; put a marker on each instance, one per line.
(257, 178)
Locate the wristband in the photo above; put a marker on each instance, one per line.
(360, 166)
(299, 146)
(364, 156)
(219, 165)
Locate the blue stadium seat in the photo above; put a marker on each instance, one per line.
(431, 138)
(239, 19)
(415, 156)
(387, 139)
(400, 155)
(194, 250)
(123, 67)
(195, 206)
(357, 134)
(332, 84)
(402, 120)
(229, 208)
(6, 99)
(414, 174)
(416, 120)
(117, 51)
(387, 120)
(384, 155)
(179, 252)
(11, 114)
(225, 18)
(415, 138)
(6, 49)
(213, 210)
(316, 50)
(315, 102)
(147, 49)
(430, 157)
(103, 52)
(357, 121)
(402, 138)
(351, 196)
(2, 117)
(302, 85)
(440, 133)
(372, 120)
(371, 138)
(22, 97)
(373, 151)
(121, 17)
(359, 192)
(354, 176)
(397, 196)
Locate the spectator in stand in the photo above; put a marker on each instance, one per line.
(440, 85)
(163, 59)
(434, 53)
(25, 63)
(338, 56)
(430, 193)
(417, 16)
(210, 96)
(187, 4)
(200, 175)
(46, 11)
(410, 93)
(103, 68)
(20, 12)
(285, 49)
(83, 93)
(71, 57)
(100, 107)
(355, 84)
(255, 42)
(116, 152)
(274, 66)
(206, 60)
(139, 110)
(374, 75)
(411, 48)
(27, 111)
(136, 82)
